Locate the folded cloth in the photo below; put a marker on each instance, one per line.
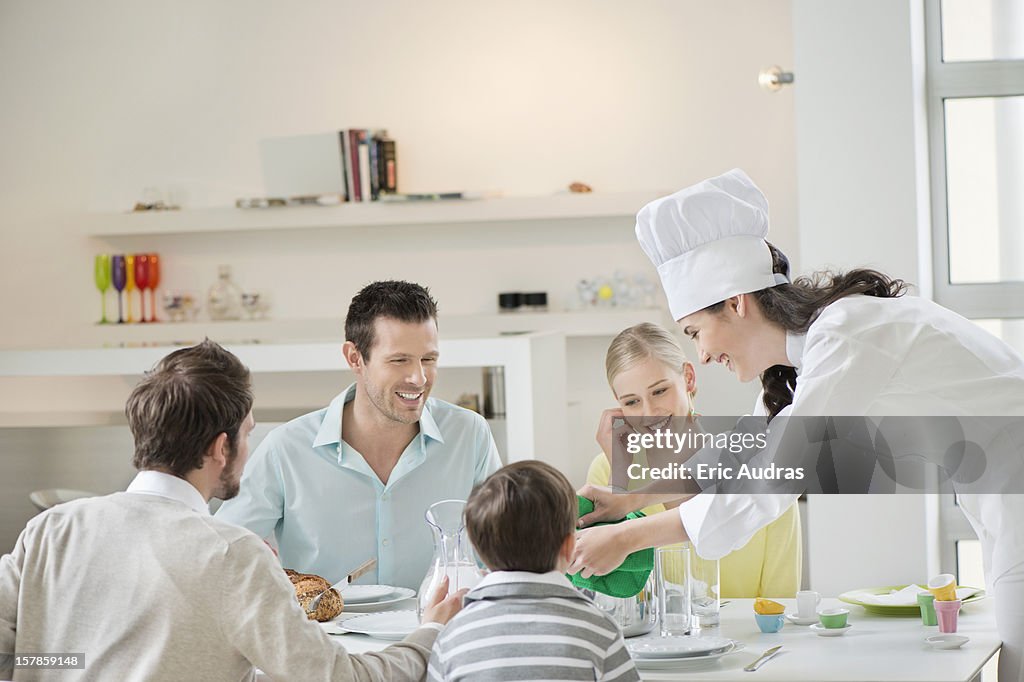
(904, 597)
(629, 578)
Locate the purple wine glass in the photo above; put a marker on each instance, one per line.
(119, 278)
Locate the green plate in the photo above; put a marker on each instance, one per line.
(883, 610)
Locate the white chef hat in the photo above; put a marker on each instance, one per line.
(708, 242)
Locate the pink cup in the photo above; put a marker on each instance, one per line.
(947, 611)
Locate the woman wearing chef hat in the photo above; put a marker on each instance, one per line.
(832, 344)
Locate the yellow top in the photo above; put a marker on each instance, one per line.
(767, 566)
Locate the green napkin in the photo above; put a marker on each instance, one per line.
(629, 578)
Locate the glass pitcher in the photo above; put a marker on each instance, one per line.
(453, 553)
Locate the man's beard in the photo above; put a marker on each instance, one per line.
(230, 480)
(384, 403)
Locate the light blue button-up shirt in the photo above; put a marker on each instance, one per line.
(330, 512)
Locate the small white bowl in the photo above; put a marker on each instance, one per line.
(947, 641)
(830, 632)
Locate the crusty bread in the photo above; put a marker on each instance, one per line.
(307, 587)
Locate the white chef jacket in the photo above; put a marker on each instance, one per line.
(906, 356)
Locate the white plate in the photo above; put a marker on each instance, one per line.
(830, 632)
(361, 594)
(687, 662)
(676, 647)
(392, 625)
(399, 594)
(797, 620)
(947, 641)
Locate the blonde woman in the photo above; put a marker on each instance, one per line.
(652, 380)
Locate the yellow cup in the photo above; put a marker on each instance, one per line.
(943, 586)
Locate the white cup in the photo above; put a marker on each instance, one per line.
(807, 603)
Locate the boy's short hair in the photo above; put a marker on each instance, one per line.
(520, 516)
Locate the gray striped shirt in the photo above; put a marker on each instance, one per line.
(530, 626)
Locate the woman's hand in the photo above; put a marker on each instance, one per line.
(608, 506)
(606, 430)
(600, 551)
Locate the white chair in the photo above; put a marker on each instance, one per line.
(44, 499)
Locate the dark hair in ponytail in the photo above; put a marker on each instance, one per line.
(796, 306)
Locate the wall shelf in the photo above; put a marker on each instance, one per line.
(573, 324)
(558, 207)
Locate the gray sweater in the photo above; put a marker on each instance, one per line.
(518, 625)
(151, 589)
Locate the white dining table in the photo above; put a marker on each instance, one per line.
(876, 648)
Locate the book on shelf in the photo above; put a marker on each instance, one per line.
(356, 164)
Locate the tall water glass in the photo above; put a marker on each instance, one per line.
(672, 565)
(705, 579)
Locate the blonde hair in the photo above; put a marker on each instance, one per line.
(640, 342)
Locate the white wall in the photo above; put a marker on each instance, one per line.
(862, 178)
(103, 99)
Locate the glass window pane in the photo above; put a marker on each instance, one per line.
(984, 172)
(969, 569)
(982, 30)
(1009, 330)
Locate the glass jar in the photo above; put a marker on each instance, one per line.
(224, 301)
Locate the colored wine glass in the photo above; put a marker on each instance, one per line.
(119, 278)
(154, 282)
(142, 282)
(101, 274)
(129, 287)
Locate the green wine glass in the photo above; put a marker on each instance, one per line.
(101, 274)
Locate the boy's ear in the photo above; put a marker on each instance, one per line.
(568, 547)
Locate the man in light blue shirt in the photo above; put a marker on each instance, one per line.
(353, 481)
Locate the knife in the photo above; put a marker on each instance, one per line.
(764, 657)
(363, 568)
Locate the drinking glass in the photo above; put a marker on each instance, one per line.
(705, 597)
(119, 277)
(154, 282)
(101, 274)
(672, 566)
(142, 282)
(129, 287)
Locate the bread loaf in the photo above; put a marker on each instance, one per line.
(308, 587)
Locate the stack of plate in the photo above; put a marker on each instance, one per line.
(663, 653)
(364, 598)
(391, 625)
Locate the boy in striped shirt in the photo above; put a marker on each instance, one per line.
(525, 621)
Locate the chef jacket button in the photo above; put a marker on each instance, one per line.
(385, 542)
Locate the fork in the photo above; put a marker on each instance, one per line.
(363, 568)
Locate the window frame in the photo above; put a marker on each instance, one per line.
(957, 80)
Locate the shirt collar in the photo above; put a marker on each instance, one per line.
(331, 428)
(158, 483)
(795, 349)
(520, 584)
(505, 577)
